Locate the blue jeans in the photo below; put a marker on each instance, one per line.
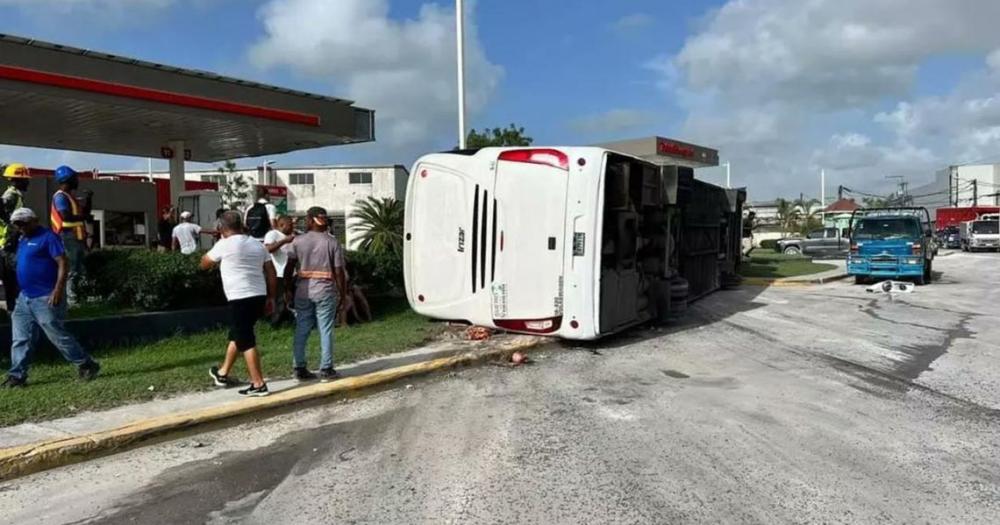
(309, 314)
(30, 315)
(75, 252)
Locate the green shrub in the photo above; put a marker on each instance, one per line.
(769, 244)
(378, 274)
(148, 281)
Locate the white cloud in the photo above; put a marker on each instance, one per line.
(830, 53)
(785, 87)
(632, 22)
(404, 69)
(613, 121)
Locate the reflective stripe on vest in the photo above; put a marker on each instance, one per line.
(58, 224)
(20, 204)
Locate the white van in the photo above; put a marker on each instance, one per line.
(530, 239)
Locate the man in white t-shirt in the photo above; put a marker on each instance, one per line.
(248, 278)
(186, 234)
(278, 243)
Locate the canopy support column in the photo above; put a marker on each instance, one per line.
(176, 170)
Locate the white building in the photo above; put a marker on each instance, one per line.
(968, 185)
(336, 188)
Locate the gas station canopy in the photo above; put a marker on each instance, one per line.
(53, 96)
(664, 151)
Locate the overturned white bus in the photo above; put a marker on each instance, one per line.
(574, 242)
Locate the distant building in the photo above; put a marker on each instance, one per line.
(838, 215)
(336, 188)
(967, 185)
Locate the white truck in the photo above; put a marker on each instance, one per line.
(980, 234)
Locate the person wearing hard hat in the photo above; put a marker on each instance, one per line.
(18, 177)
(68, 218)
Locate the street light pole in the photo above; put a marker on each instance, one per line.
(728, 184)
(822, 188)
(460, 45)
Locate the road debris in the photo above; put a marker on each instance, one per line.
(891, 287)
(478, 333)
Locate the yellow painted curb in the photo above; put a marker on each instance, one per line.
(44, 455)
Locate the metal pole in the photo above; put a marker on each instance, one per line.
(149, 169)
(728, 185)
(460, 44)
(975, 192)
(822, 188)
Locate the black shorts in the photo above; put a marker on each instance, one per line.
(243, 316)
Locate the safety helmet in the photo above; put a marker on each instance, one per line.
(64, 174)
(16, 171)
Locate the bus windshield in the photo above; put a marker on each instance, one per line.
(986, 227)
(887, 228)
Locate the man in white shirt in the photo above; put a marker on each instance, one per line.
(278, 243)
(186, 234)
(248, 279)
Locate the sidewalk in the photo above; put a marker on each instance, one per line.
(94, 422)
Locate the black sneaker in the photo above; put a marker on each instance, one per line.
(14, 382)
(219, 379)
(303, 374)
(329, 374)
(88, 371)
(255, 391)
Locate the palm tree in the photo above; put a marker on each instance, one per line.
(788, 215)
(380, 223)
(809, 214)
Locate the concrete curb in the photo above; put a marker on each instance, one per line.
(792, 282)
(35, 457)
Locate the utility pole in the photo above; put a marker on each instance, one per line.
(975, 192)
(460, 45)
(840, 192)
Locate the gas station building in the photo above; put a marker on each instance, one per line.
(59, 97)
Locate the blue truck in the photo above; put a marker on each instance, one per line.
(891, 243)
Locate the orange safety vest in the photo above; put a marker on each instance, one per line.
(58, 224)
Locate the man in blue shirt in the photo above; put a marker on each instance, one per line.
(42, 269)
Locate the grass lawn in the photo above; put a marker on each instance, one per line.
(773, 265)
(180, 365)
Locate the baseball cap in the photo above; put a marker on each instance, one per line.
(22, 215)
(185, 215)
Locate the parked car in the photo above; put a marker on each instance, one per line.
(891, 243)
(826, 241)
(949, 237)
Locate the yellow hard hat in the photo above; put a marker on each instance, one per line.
(16, 171)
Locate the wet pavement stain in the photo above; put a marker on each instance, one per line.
(231, 485)
(920, 357)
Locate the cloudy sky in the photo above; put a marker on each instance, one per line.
(783, 88)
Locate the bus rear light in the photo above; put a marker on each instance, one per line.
(420, 298)
(545, 156)
(574, 325)
(535, 326)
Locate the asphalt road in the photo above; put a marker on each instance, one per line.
(780, 405)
